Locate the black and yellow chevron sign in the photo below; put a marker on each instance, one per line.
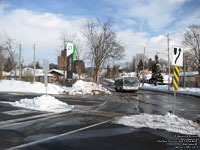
(176, 78)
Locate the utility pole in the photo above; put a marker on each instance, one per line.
(169, 75)
(34, 64)
(2, 64)
(2, 67)
(2, 60)
(143, 68)
(20, 66)
(184, 65)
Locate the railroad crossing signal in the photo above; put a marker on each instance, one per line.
(176, 78)
(177, 57)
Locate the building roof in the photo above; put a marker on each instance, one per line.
(188, 74)
(26, 71)
(61, 72)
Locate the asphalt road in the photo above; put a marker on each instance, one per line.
(90, 125)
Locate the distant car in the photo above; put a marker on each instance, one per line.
(111, 84)
(126, 84)
(108, 82)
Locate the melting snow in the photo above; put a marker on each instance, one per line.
(43, 103)
(169, 122)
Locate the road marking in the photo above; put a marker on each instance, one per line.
(60, 135)
(15, 121)
(18, 112)
(4, 102)
(101, 106)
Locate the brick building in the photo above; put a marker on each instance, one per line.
(79, 66)
(62, 60)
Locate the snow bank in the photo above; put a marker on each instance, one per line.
(82, 87)
(168, 122)
(43, 103)
(164, 88)
(153, 87)
(27, 87)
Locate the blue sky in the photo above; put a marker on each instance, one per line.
(175, 10)
(138, 22)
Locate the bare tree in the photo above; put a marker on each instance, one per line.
(78, 56)
(102, 43)
(190, 63)
(138, 61)
(8, 45)
(192, 40)
(2, 59)
(66, 37)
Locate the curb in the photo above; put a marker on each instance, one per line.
(170, 92)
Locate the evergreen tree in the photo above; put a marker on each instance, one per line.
(150, 64)
(145, 65)
(8, 65)
(140, 65)
(38, 65)
(156, 72)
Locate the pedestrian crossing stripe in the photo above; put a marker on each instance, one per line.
(176, 78)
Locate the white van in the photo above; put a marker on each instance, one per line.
(126, 84)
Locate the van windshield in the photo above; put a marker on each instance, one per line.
(130, 82)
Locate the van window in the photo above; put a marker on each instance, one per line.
(130, 82)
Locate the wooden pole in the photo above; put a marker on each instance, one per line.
(169, 75)
(34, 63)
(20, 67)
(143, 68)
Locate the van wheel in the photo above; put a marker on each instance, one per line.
(117, 89)
(121, 89)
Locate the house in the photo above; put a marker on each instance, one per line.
(57, 74)
(192, 79)
(28, 75)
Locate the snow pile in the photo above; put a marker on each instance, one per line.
(43, 103)
(189, 91)
(82, 87)
(27, 87)
(164, 88)
(153, 87)
(168, 122)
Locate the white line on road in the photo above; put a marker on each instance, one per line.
(14, 122)
(57, 136)
(19, 112)
(101, 106)
(4, 124)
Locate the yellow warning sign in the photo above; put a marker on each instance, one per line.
(176, 78)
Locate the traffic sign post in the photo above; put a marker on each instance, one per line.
(175, 85)
(45, 70)
(70, 56)
(177, 60)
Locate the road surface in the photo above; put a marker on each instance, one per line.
(91, 124)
